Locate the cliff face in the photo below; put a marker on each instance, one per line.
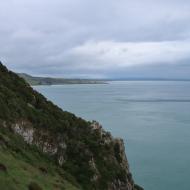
(83, 149)
(56, 146)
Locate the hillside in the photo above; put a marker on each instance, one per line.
(44, 147)
(55, 81)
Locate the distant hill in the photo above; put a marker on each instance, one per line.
(56, 81)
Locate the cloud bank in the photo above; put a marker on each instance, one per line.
(97, 39)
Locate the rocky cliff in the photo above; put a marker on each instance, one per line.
(83, 149)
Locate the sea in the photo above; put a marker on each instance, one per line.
(153, 118)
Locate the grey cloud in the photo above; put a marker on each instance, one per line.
(41, 37)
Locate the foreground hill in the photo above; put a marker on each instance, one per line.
(55, 81)
(43, 147)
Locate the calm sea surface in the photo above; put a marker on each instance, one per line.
(152, 117)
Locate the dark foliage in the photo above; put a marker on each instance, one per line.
(34, 186)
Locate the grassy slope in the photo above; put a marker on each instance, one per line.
(25, 164)
(22, 161)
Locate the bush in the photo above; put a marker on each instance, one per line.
(34, 186)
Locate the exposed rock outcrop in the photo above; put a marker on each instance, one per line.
(56, 146)
(47, 143)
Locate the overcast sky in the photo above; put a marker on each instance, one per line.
(96, 38)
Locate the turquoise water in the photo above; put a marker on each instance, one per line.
(152, 117)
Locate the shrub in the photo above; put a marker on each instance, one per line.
(34, 186)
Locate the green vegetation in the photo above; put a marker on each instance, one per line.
(53, 81)
(26, 166)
